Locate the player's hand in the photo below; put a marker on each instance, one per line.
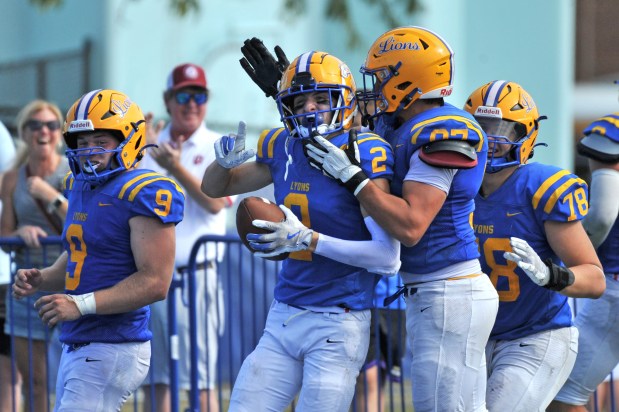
(230, 150)
(27, 282)
(287, 236)
(56, 308)
(528, 260)
(262, 67)
(152, 130)
(342, 165)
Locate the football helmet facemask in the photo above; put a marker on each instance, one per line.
(403, 65)
(509, 116)
(104, 110)
(311, 72)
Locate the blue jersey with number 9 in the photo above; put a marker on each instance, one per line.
(97, 238)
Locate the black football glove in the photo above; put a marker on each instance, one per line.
(262, 67)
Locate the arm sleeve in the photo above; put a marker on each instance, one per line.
(604, 205)
(380, 255)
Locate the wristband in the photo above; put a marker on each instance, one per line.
(560, 276)
(86, 303)
(55, 204)
(357, 182)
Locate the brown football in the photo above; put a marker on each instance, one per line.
(251, 208)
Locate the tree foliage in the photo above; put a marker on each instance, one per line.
(338, 10)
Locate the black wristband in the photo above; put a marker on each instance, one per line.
(353, 183)
(560, 276)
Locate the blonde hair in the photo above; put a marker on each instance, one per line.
(22, 118)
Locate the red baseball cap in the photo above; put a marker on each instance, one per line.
(184, 75)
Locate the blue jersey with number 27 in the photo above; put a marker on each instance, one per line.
(449, 239)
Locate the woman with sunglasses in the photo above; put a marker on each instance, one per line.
(33, 208)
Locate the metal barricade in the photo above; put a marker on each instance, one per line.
(46, 255)
(247, 284)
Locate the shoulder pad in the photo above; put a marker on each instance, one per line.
(450, 154)
(599, 147)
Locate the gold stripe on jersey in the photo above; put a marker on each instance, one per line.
(599, 129)
(539, 193)
(365, 139)
(263, 135)
(269, 144)
(139, 187)
(67, 181)
(418, 128)
(560, 191)
(610, 119)
(152, 177)
(133, 181)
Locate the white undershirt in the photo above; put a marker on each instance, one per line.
(420, 171)
(604, 205)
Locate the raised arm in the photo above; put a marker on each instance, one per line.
(230, 174)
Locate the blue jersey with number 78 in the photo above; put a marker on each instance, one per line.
(533, 194)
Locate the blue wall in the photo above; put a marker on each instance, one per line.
(136, 44)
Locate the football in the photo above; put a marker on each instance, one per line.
(251, 208)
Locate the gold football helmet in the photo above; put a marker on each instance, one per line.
(105, 110)
(403, 65)
(509, 116)
(317, 71)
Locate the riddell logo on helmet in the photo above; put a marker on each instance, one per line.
(392, 45)
(80, 125)
(488, 111)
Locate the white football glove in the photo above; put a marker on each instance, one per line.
(287, 236)
(230, 150)
(344, 166)
(528, 260)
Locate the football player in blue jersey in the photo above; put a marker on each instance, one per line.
(440, 154)
(317, 331)
(119, 241)
(534, 249)
(598, 320)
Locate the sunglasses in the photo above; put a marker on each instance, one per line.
(36, 125)
(184, 97)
